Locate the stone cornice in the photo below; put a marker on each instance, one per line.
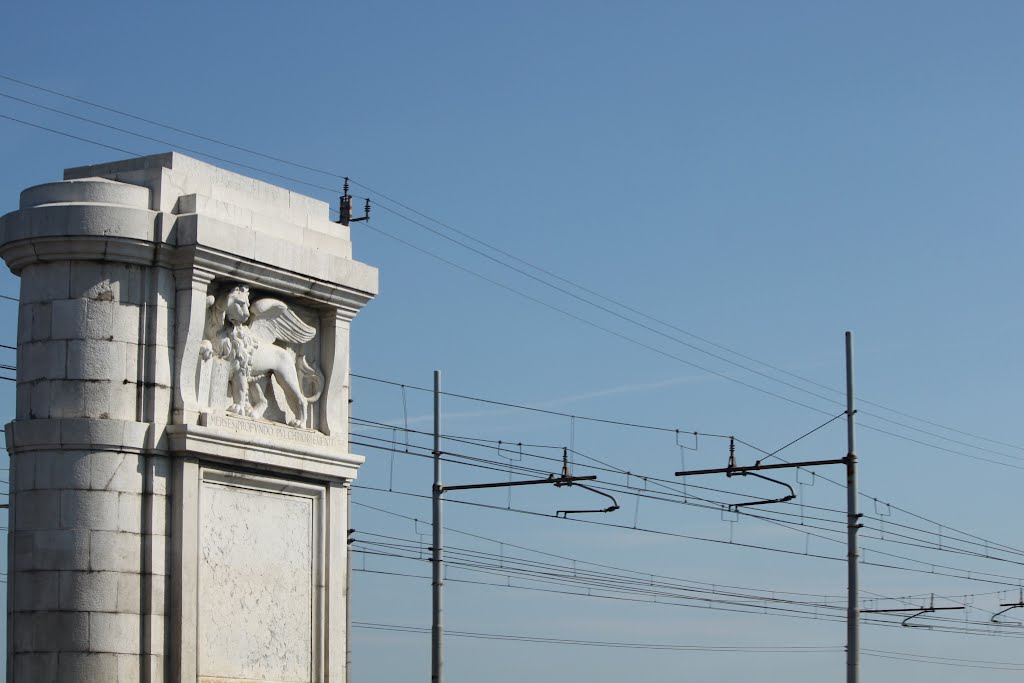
(24, 436)
(265, 444)
(318, 293)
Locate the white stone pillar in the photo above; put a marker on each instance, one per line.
(179, 464)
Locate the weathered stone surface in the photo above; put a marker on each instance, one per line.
(90, 591)
(115, 551)
(51, 549)
(114, 632)
(119, 569)
(61, 469)
(257, 560)
(89, 510)
(93, 190)
(37, 591)
(45, 282)
(39, 510)
(49, 631)
(35, 667)
(117, 472)
(75, 667)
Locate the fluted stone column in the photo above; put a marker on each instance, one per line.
(179, 464)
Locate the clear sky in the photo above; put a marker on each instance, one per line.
(763, 175)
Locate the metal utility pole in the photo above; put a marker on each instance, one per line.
(437, 629)
(348, 556)
(852, 526)
(348, 588)
(560, 480)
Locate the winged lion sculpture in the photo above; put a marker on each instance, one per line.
(249, 336)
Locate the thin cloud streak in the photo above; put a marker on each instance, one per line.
(557, 402)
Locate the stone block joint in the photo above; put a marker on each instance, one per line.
(182, 393)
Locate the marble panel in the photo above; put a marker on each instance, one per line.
(258, 583)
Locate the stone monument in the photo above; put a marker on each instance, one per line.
(179, 458)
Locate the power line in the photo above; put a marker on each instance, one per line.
(943, 661)
(670, 337)
(162, 142)
(505, 404)
(167, 126)
(612, 587)
(69, 135)
(675, 494)
(610, 644)
(549, 284)
(644, 585)
(934, 569)
(577, 561)
(678, 494)
(594, 325)
(669, 325)
(703, 368)
(677, 432)
(978, 541)
(633, 576)
(830, 613)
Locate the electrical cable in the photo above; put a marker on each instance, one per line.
(934, 568)
(863, 495)
(507, 255)
(985, 543)
(608, 644)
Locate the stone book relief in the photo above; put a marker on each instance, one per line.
(253, 359)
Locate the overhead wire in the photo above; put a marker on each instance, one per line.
(538, 269)
(933, 569)
(732, 649)
(575, 560)
(613, 588)
(819, 611)
(608, 644)
(665, 429)
(772, 517)
(648, 578)
(987, 545)
(51, 130)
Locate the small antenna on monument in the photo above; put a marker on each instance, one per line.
(366, 211)
(345, 205)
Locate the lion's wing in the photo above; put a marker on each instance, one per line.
(273, 320)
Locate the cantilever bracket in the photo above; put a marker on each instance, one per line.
(914, 616)
(788, 497)
(563, 479)
(611, 508)
(917, 612)
(1009, 606)
(552, 479)
(564, 514)
(731, 470)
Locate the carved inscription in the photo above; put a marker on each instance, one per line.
(273, 431)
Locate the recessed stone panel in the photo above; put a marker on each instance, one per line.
(258, 583)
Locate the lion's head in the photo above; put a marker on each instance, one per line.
(237, 308)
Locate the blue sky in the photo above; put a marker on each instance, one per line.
(763, 175)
